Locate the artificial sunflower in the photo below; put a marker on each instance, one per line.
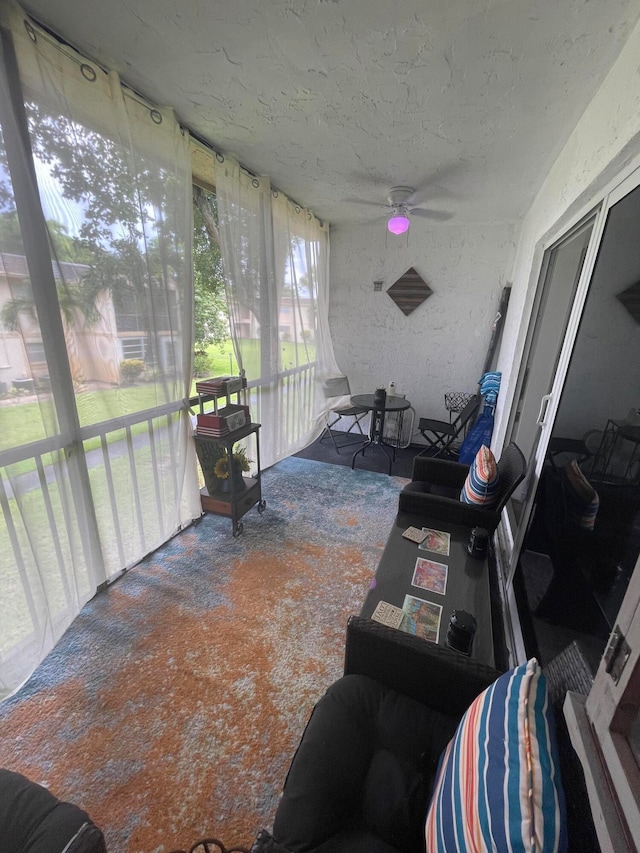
(240, 463)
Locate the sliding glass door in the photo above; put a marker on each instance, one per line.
(530, 419)
(576, 419)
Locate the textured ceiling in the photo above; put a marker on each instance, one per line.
(469, 101)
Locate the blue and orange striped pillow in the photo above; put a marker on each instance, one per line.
(498, 784)
(481, 486)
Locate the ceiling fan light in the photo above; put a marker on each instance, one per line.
(398, 224)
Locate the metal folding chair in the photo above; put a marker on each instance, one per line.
(441, 435)
(338, 386)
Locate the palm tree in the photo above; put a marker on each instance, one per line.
(71, 298)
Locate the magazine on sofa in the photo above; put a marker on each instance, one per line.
(422, 618)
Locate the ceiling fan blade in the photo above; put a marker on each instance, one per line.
(434, 185)
(364, 201)
(439, 215)
(372, 216)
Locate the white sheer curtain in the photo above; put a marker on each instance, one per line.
(276, 260)
(96, 307)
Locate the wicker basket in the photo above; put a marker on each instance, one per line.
(455, 401)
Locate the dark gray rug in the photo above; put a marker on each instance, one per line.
(374, 459)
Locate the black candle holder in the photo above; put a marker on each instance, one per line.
(461, 631)
(379, 397)
(478, 543)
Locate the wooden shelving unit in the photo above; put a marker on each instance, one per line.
(239, 494)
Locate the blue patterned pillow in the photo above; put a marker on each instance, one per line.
(498, 784)
(481, 486)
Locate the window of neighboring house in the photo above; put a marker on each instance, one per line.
(35, 352)
(134, 348)
(20, 290)
(128, 322)
(131, 311)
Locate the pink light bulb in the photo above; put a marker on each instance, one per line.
(398, 224)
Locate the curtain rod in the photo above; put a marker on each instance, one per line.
(64, 47)
(221, 158)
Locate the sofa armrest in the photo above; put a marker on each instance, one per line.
(265, 843)
(88, 839)
(450, 510)
(440, 472)
(31, 818)
(436, 676)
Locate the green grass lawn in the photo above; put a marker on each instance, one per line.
(223, 360)
(25, 422)
(30, 421)
(55, 567)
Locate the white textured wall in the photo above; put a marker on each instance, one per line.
(442, 345)
(604, 142)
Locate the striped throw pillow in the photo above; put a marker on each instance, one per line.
(481, 486)
(498, 785)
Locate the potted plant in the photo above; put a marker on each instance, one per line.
(239, 464)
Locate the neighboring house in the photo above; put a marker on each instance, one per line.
(296, 317)
(95, 349)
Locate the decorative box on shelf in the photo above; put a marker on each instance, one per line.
(223, 421)
(223, 386)
(226, 419)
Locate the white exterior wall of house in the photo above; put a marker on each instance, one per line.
(442, 345)
(93, 350)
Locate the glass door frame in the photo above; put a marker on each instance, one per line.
(510, 537)
(550, 401)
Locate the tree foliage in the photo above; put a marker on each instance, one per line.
(211, 312)
(66, 248)
(127, 239)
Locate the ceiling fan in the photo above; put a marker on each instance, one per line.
(401, 204)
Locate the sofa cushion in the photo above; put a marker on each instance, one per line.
(498, 785)
(33, 820)
(481, 486)
(363, 772)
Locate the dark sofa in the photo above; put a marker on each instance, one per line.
(362, 776)
(33, 820)
(361, 779)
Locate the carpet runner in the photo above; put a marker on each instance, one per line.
(172, 706)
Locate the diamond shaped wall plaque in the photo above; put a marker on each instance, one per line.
(409, 291)
(630, 298)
